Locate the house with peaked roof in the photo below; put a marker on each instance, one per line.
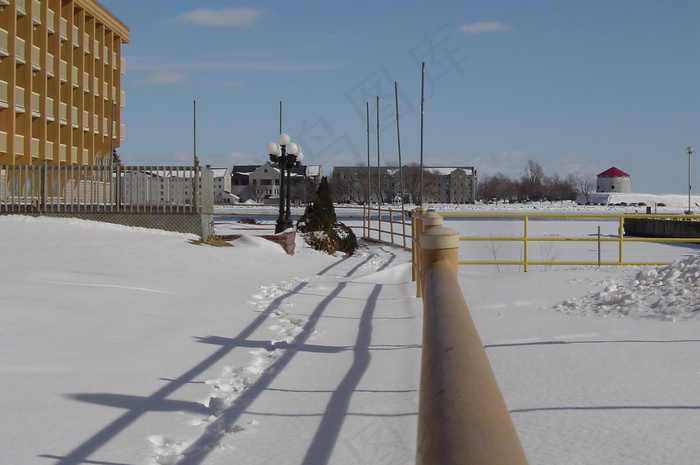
(222, 186)
(261, 183)
(614, 180)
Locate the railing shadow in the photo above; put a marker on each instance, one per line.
(197, 452)
(326, 435)
(225, 422)
(80, 454)
(549, 343)
(608, 407)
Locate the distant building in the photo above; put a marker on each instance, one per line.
(172, 186)
(614, 180)
(261, 183)
(222, 186)
(455, 185)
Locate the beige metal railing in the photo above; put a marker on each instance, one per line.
(462, 417)
(386, 224)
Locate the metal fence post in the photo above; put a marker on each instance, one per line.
(43, 186)
(621, 235)
(416, 231)
(118, 185)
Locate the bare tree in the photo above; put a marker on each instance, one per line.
(303, 189)
(497, 187)
(583, 184)
(412, 183)
(531, 184)
(556, 188)
(350, 184)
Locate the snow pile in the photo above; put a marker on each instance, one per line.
(670, 293)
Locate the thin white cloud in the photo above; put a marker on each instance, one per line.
(229, 83)
(509, 163)
(161, 77)
(226, 160)
(478, 28)
(225, 17)
(253, 66)
(157, 66)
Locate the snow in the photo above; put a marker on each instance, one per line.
(131, 346)
(651, 200)
(670, 292)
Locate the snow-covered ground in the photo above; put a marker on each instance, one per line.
(131, 346)
(651, 200)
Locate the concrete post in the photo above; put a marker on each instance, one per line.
(462, 417)
(428, 221)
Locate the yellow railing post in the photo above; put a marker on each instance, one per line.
(462, 417)
(621, 234)
(526, 254)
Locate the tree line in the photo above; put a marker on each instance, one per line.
(534, 185)
(356, 184)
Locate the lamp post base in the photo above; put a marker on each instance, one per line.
(282, 225)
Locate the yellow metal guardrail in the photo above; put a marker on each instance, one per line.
(462, 416)
(526, 238)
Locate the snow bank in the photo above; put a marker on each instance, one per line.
(94, 225)
(257, 242)
(670, 293)
(669, 200)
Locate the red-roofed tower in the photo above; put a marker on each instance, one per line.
(614, 180)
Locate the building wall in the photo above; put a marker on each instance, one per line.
(222, 186)
(253, 182)
(265, 181)
(60, 82)
(455, 187)
(448, 185)
(614, 184)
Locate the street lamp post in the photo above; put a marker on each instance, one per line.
(286, 154)
(689, 150)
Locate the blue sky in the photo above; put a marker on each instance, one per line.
(574, 85)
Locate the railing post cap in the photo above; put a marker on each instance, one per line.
(440, 238)
(420, 210)
(432, 219)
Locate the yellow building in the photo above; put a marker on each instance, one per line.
(60, 82)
